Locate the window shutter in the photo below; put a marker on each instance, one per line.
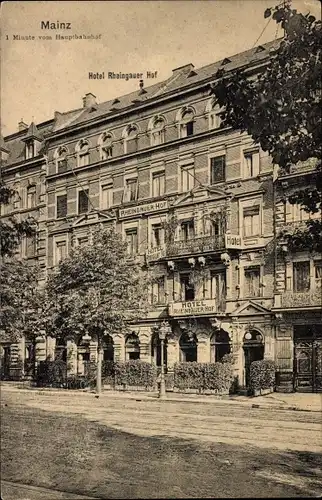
(62, 205)
(83, 201)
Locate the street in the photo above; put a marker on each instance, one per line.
(160, 448)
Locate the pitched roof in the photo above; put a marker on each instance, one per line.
(32, 133)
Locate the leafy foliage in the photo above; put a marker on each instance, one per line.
(262, 374)
(135, 373)
(281, 107)
(98, 289)
(20, 300)
(218, 377)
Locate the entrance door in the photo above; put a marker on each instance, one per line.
(253, 351)
(308, 358)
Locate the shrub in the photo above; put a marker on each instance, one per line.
(262, 374)
(217, 377)
(77, 382)
(108, 372)
(135, 373)
(51, 373)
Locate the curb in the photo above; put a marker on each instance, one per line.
(143, 397)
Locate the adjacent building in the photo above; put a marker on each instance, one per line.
(196, 202)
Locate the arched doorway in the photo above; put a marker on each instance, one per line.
(253, 351)
(108, 348)
(61, 349)
(219, 345)
(156, 350)
(132, 347)
(188, 347)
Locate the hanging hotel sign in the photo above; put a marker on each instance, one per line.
(193, 307)
(142, 209)
(155, 253)
(233, 241)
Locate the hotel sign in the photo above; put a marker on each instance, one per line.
(143, 209)
(193, 307)
(155, 253)
(233, 241)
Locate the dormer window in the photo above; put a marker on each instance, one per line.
(157, 131)
(30, 149)
(105, 143)
(61, 159)
(186, 123)
(82, 150)
(130, 136)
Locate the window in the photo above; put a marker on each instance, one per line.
(82, 241)
(318, 274)
(218, 289)
(83, 201)
(60, 251)
(157, 235)
(61, 159)
(157, 131)
(251, 164)
(187, 289)
(251, 221)
(105, 145)
(82, 150)
(131, 236)
(252, 282)
(187, 230)
(301, 276)
(186, 125)
(130, 190)
(132, 347)
(130, 139)
(107, 196)
(187, 177)
(158, 295)
(214, 117)
(217, 169)
(30, 247)
(30, 149)
(31, 196)
(158, 182)
(61, 206)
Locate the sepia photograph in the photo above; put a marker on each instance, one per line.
(161, 249)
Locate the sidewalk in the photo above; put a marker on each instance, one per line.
(276, 401)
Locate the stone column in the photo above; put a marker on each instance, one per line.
(71, 357)
(93, 355)
(119, 348)
(145, 344)
(203, 349)
(40, 348)
(51, 343)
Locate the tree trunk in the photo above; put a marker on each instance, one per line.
(99, 367)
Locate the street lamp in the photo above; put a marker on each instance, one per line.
(164, 330)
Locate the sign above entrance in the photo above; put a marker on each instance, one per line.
(193, 307)
(155, 253)
(143, 209)
(233, 241)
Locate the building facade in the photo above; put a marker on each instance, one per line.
(196, 203)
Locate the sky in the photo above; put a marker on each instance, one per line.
(41, 76)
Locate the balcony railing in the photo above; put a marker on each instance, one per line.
(196, 245)
(298, 300)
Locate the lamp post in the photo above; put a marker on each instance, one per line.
(164, 330)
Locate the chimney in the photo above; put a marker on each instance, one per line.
(183, 69)
(22, 125)
(89, 100)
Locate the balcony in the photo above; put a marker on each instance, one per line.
(298, 300)
(194, 246)
(193, 307)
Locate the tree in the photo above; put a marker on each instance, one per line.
(281, 107)
(99, 289)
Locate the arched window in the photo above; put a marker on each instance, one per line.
(130, 136)
(132, 347)
(219, 345)
(82, 151)
(157, 130)
(61, 159)
(213, 110)
(105, 143)
(108, 348)
(186, 122)
(188, 347)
